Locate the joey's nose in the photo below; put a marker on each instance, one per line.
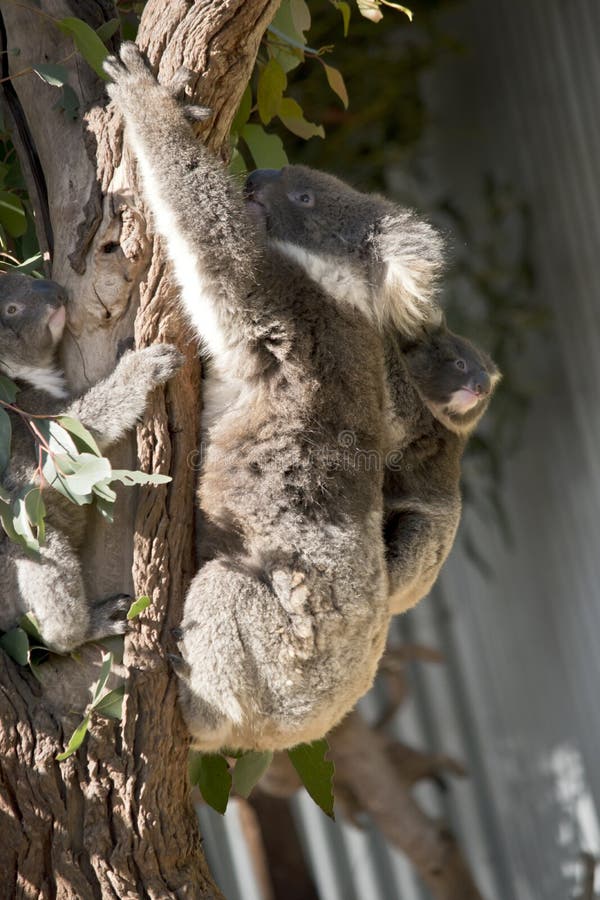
(481, 384)
(259, 178)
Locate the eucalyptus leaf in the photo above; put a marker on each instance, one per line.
(68, 102)
(76, 739)
(87, 41)
(266, 149)
(336, 83)
(12, 214)
(211, 773)
(83, 440)
(107, 29)
(52, 74)
(8, 390)
(249, 769)
(22, 525)
(30, 624)
(316, 772)
(292, 116)
(111, 704)
(107, 661)
(272, 82)
(90, 470)
(138, 606)
(130, 477)
(16, 644)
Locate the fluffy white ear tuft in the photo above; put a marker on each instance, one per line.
(411, 253)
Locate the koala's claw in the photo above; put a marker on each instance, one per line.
(163, 361)
(110, 616)
(197, 113)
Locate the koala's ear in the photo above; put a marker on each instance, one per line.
(411, 255)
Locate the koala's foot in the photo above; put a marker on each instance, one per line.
(109, 617)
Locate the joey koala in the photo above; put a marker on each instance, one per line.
(289, 284)
(32, 319)
(441, 386)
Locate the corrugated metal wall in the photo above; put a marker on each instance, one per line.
(519, 697)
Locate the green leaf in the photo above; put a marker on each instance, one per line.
(16, 644)
(111, 704)
(31, 626)
(292, 116)
(68, 103)
(29, 265)
(249, 769)
(83, 440)
(89, 470)
(243, 112)
(51, 74)
(237, 164)
(12, 214)
(344, 9)
(22, 526)
(130, 477)
(211, 773)
(272, 82)
(336, 83)
(316, 772)
(283, 28)
(138, 606)
(107, 29)
(76, 739)
(5, 439)
(300, 14)
(87, 41)
(34, 506)
(107, 661)
(8, 390)
(266, 149)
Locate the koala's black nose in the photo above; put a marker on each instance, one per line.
(49, 290)
(481, 383)
(259, 178)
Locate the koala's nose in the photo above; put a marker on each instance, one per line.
(259, 178)
(481, 384)
(50, 291)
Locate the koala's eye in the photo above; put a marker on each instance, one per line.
(12, 309)
(460, 364)
(302, 198)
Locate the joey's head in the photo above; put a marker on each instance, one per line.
(361, 248)
(32, 321)
(453, 377)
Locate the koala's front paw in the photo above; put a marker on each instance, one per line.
(160, 362)
(109, 617)
(132, 79)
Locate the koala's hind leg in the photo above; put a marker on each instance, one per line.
(243, 645)
(52, 589)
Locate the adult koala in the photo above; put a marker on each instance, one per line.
(290, 286)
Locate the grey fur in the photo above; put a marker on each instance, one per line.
(421, 489)
(31, 325)
(286, 620)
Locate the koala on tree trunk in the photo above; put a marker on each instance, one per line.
(290, 287)
(32, 319)
(441, 385)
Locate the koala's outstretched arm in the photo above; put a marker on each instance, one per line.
(211, 238)
(112, 407)
(417, 542)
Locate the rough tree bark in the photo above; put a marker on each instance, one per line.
(115, 820)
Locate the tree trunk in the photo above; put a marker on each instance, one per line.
(115, 820)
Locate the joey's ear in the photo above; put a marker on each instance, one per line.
(411, 254)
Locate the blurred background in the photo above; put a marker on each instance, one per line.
(484, 115)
